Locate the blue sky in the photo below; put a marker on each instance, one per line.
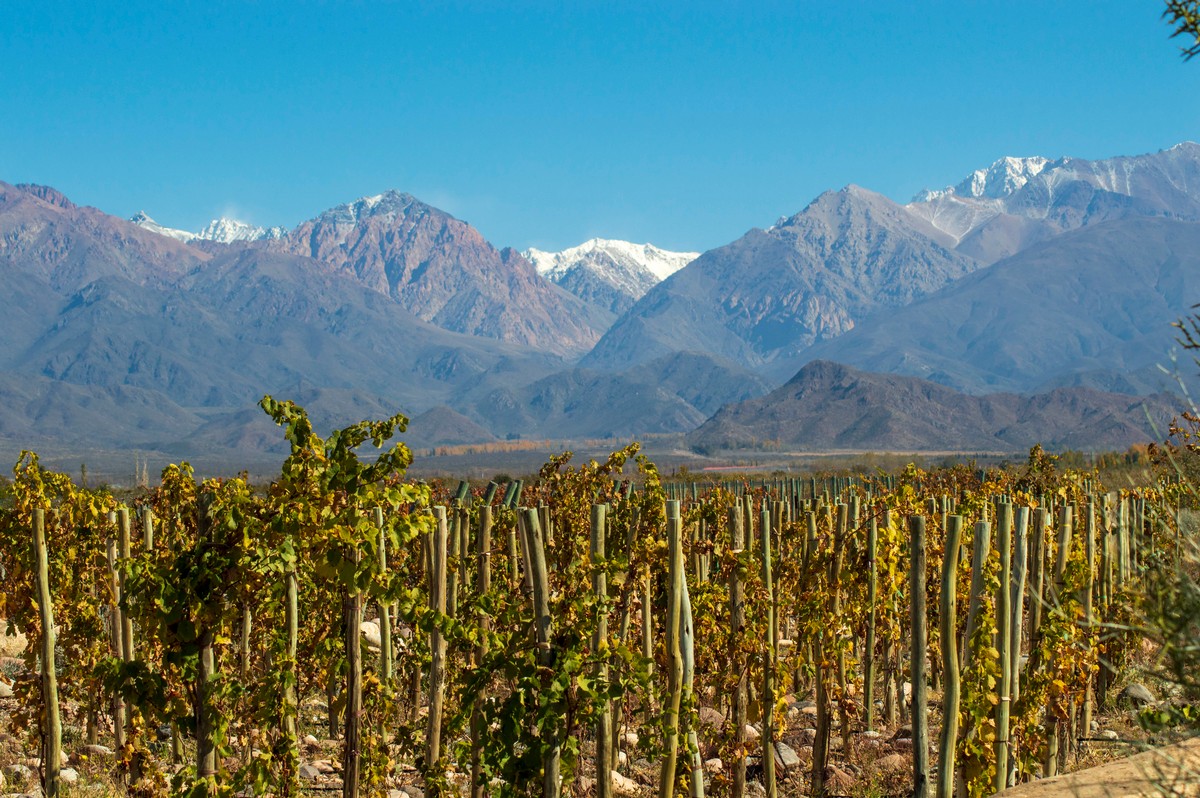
(544, 124)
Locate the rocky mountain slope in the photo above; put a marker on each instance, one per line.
(444, 272)
(855, 258)
(829, 406)
(773, 293)
(1017, 202)
(609, 274)
(1090, 307)
(674, 393)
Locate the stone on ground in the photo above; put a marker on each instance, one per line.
(1137, 694)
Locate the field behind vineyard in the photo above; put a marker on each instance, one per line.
(592, 629)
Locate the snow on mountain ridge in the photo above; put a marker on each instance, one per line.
(143, 220)
(659, 262)
(389, 204)
(1015, 202)
(1002, 178)
(223, 230)
(227, 231)
(984, 194)
(609, 273)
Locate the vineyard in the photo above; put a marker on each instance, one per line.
(592, 631)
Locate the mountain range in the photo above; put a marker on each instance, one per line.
(1038, 292)
(223, 230)
(854, 258)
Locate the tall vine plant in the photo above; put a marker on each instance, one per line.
(321, 513)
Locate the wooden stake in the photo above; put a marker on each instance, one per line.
(536, 547)
(52, 744)
(770, 663)
(600, 648)
(737, 624)
(351, 750)
(950, 678)
(484, 584)
(437, 647)
(666, 782)
(920, 704)
(386, 662)
(1004, 641)
(869, 645)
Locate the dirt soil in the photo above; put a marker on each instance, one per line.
(1173, 770)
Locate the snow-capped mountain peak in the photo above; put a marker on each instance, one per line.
(978, 198)
(229, 230)
(389, 204)
(1002, 179)
(143, 220)
(610, 273)
(660, 263)
(223, 230)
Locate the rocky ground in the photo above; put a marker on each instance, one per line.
(876, 763)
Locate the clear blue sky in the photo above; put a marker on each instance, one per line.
(544, 124)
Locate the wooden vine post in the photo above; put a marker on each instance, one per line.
(127, 647)
(514, 556)
(770, 662)
(454, 547)
(1004, 639)
(647, 618)
(600, 647)
(626, 617)
(352, 749)
(535, 545)
(52, 744)
(1020, 559)
(687, 649)
(666, 782)
(979, 552)
(950, 675)
(126, 619)
(820, 657)
(148, 529)
(869, 645)
(484, 584)
(841, 533)
(920, 641)
(737, 625)
(1037, 575)
(291, 703)
(437, 647)
(386, 664)
(891, 673)
(115, 630)
(1088, 619)
(206, 748)
(1106, 587)
(1054, 730)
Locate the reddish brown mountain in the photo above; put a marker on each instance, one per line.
(445, 272)
(47, 236)
(831, 406)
